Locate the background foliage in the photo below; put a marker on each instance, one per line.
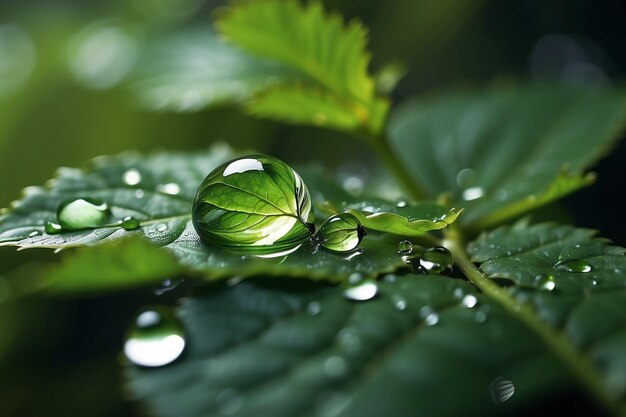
(65, 106)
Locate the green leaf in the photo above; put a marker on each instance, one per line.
(538, 256)
(306, 38)
(490, 152)
(405, 219)
(258, 350)
(306, 105)
(121, 265)
(193, 69)
(158, 190)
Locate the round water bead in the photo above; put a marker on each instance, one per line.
(573, 265)
(256, 204)
(82, 213)
(155, 338)
(436, 260)
(130, 223)
(340, 233)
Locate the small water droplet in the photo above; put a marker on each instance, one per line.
(314, 308)
(436, 260)
(545, 282)
(466, 178)
(401, 203)
(353, 185)
(431, 319)
(405, 247)
(399, 302)
(229, 401)
(82, 213)
(335, 367)
(458, 293)
(161, 227)
(359, 289)
(473, 193)
(170, 188)
(33, 233)
(130, 223)
(573, 265)
(156, 338)
(501, 390)
(480, 316)
(469, 301)
(52, 228)
(139, 193)
(391, 278)
(132, 177)
(594, 282)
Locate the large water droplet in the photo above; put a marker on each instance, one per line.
(436, 260)
(340, 233)
(130, 223)
(573, 265)
(501, 390)
(360, 289)
(82, 213)
(156, 338)
(254, 204)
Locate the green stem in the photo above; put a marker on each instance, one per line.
(397, 169)
(559, 343)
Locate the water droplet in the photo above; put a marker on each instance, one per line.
(466, 178)
(340, 233)
(353, 185)
(170, 188)
(229, 401)
(399, 302)
(52, 228)
(405, 247)
(473, 193)
(501, 390)
(436, 260)
(139, 193)
(480, 316)
(594, 282)
(360, 289)
(349, 339)
(33, 233)
(458, 293)
(82, 213)
(156, 338)
(573, 265)
(401, 203)
(132, 177)
(335, 367)
(391, 278)
(430, 317)
(469, 301)
(545, 282)
(130, 223)
(254, 204)
(314, 308)
(161, 227)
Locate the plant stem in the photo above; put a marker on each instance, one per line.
(397, 169)
(557, 342)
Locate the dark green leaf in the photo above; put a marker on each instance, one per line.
(492, 151)
(255, 350)
(552, 257)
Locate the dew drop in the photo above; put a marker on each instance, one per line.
(161, 227)
(436, 260)
(132, 177)
(405, 247)
(480, 316)
(248, 183)
(469, 301)
(501, 390)
(401, 203)
(82, 213)
(466, 178)
(428, 314)
(139, 193)
(340, 233)
(360, 289)
(545, 282)
(473, 193)
(573, 265)
(399, 302)
(52, 228)
(170, 188)
(458, 293)
(130, 223)
(33, 233)
(156, 338)
(314, 308)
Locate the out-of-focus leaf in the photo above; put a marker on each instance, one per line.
(552, 257)
(492, 151)
(194, 69)
(411, 348)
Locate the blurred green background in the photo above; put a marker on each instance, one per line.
(67, 71)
